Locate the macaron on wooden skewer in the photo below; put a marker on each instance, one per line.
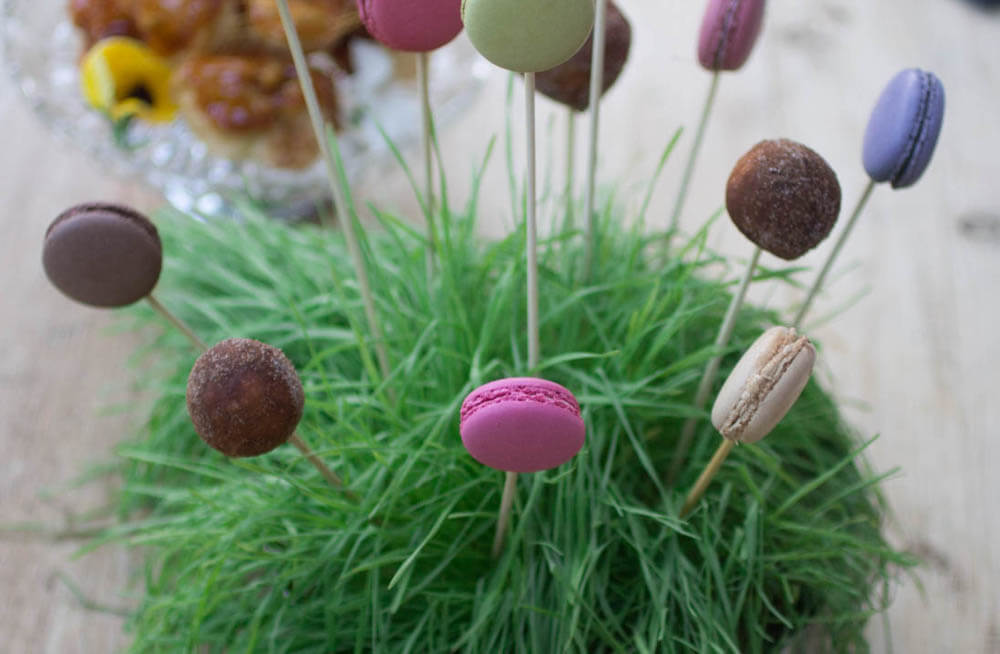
(107, 255)
(520, 424)
(785, 198)
(728, 33)
(325, 138)
(899, 142)
(763, 386)
(526, 36)
(245, 399)
(418, 26)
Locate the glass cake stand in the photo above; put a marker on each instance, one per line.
(42, 48)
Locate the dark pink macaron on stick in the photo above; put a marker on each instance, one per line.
(520, 424)
(729, 30)
(107, 255)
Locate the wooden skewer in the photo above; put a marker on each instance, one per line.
(339, 194)
(596, 84)
(705, 478)
(426, 130)
(699, 135)
(712, 369)
(818, 284)
(531, 249)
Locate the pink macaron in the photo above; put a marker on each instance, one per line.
(412, 25)
(728, 33)
(522, 424)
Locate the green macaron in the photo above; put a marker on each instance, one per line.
(528, 36)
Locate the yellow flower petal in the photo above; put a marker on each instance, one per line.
(124, 77)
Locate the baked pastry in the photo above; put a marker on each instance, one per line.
(251, 107)
(99, 19)
(320, 23)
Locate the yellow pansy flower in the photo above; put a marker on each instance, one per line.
(124, 78)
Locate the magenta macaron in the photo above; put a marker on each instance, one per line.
(728, 33)
(522, 424)
(412, 25)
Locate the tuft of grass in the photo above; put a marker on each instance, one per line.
(262, 555)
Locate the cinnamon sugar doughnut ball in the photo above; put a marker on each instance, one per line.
(784, 197)
(244, 397)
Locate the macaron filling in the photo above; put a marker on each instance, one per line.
(773, 364)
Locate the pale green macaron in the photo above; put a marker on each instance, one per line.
(528, 36)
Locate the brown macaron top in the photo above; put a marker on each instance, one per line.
(244, 397)
(784, 197)
(102, 254)
(569, 82)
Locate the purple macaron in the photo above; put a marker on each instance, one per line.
(728, 33)
(522, 424)
(904, 127)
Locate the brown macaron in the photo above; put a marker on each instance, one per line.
(784, 197)
(102, 254)
(244, 397)
(569, 82)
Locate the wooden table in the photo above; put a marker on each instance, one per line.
(914, 358)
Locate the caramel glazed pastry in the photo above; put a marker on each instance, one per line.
(234, 80)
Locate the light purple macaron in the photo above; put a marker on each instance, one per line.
(728, 33)
(904, 127)
(412, 25)
(522, 424)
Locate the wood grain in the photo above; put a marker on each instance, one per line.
(914, 357)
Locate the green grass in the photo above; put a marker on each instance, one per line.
(260, 555)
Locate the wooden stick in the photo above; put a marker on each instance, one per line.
(693, 157)
(712, 369)
(531, 224)
(423, 71)
(706, 476)
(596, 83)
(570, 164)
(531, 250)
(327, 474)
(176, 322)
(862, 201)
(509, 490)
(339, 198)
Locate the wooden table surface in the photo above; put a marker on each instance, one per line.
(914, 358)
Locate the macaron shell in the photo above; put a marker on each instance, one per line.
(903, 129)
(103, 255)
(522, 424)
(412, 25)
(728, 33)
(778, 365)
(528, 36)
